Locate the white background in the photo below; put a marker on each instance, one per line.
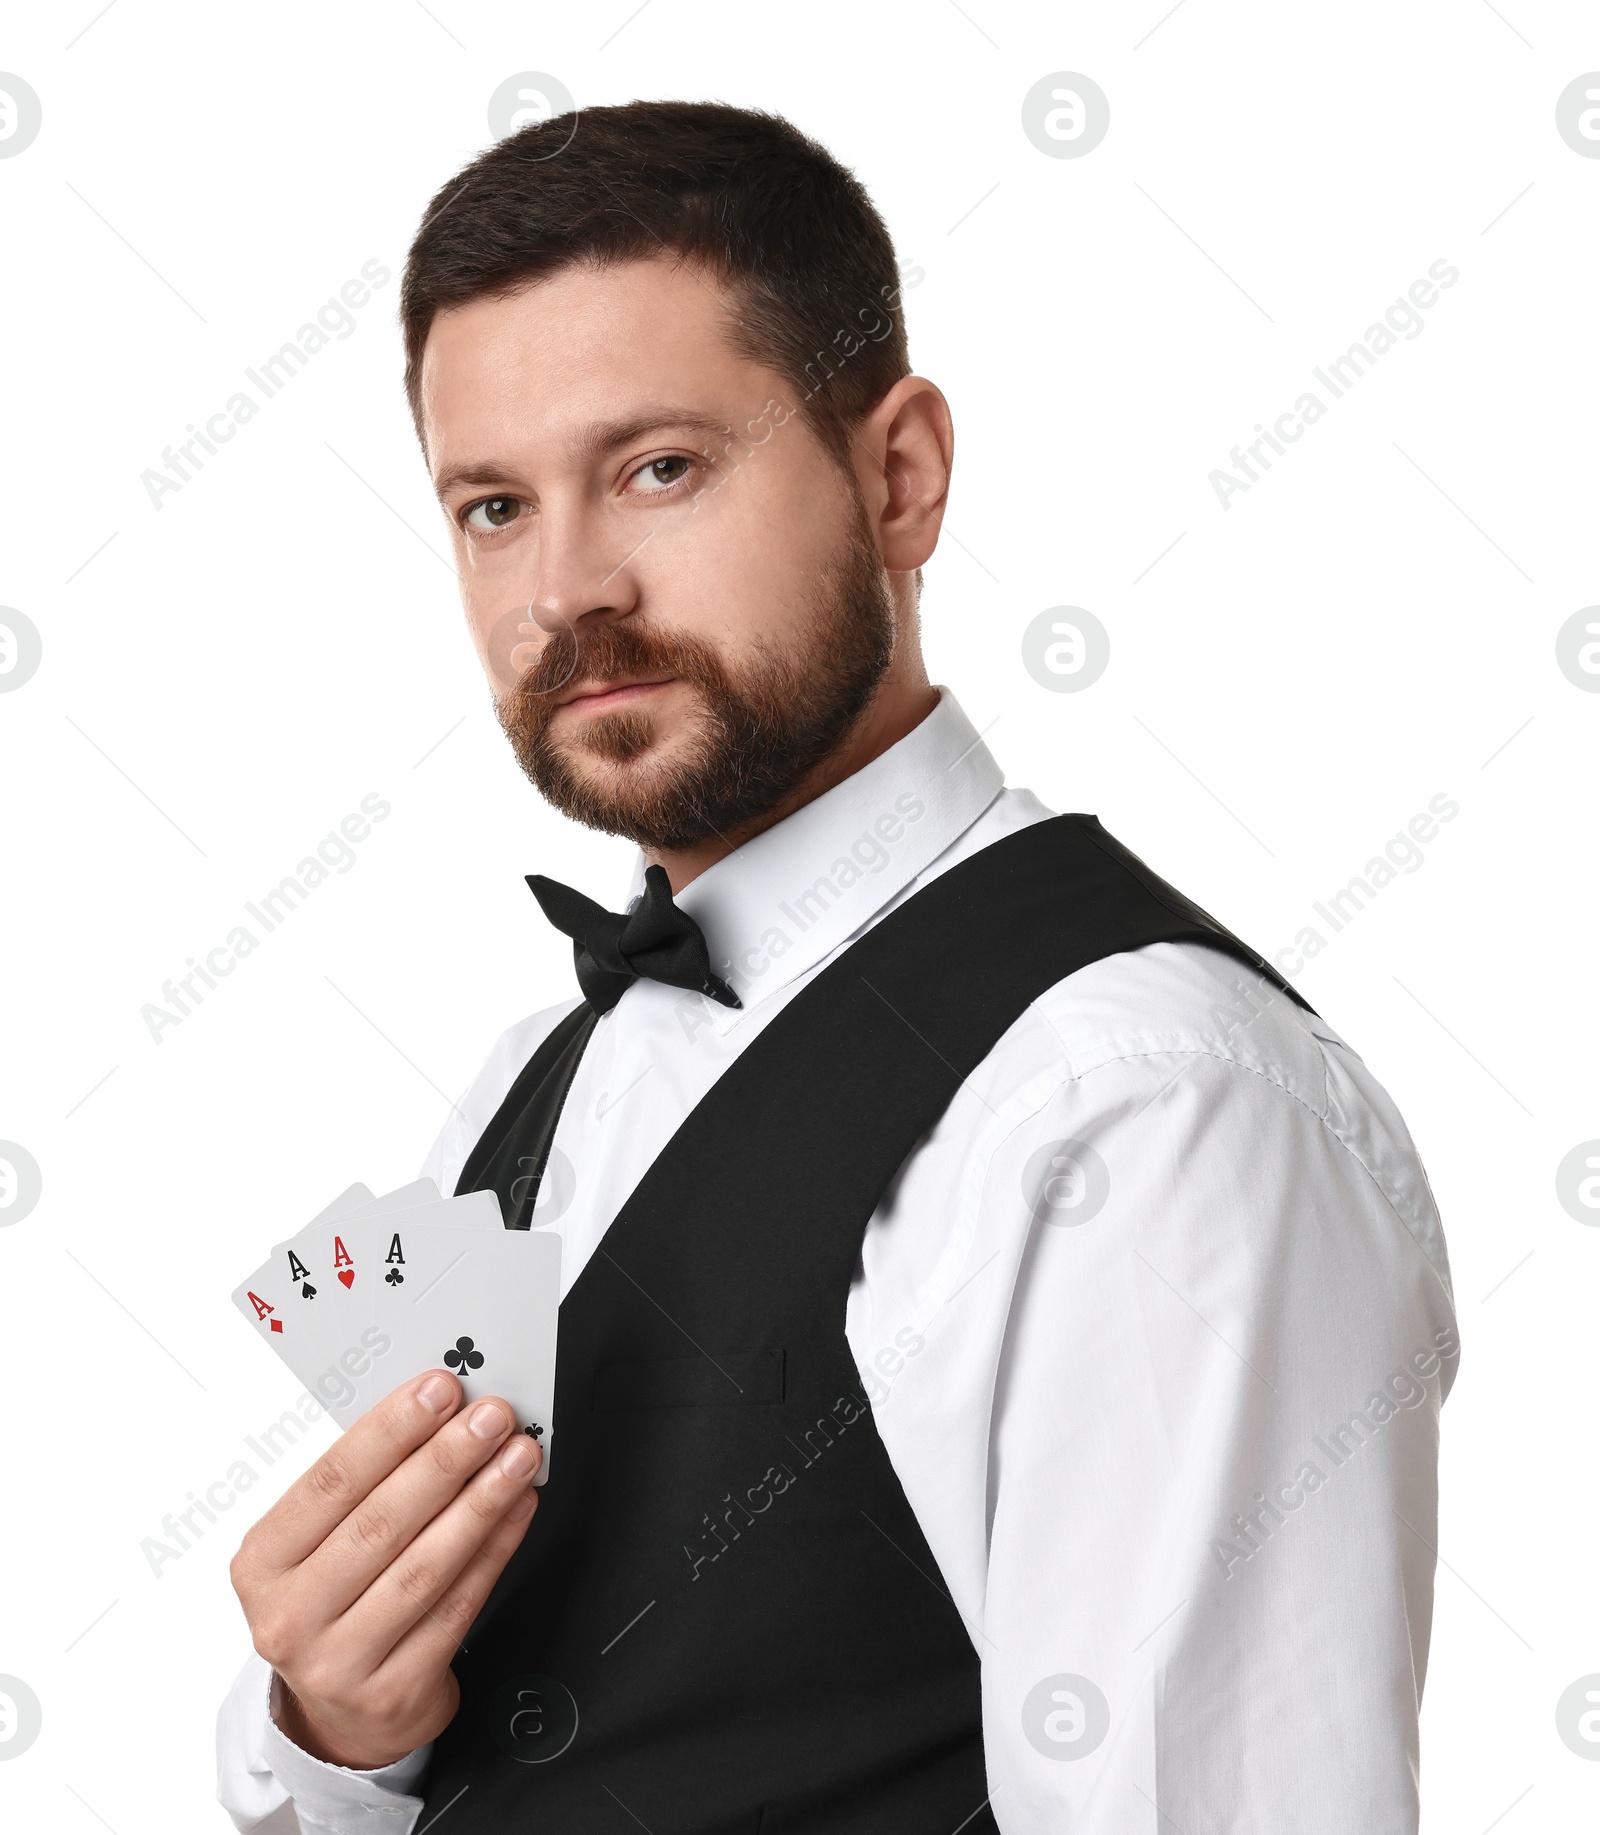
(1371, 624)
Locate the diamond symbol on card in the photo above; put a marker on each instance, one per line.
(277, 1325)
(464, 1356)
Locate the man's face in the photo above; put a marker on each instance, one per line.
(670, 582)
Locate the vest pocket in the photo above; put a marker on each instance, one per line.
(730, 1379)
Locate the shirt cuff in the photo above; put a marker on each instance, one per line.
(328, 1799)
(333, 1800)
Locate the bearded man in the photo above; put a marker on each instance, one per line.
(1004, 1327)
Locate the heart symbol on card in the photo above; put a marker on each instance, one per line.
(347, 1275)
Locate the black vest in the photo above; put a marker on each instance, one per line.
(725, 1618)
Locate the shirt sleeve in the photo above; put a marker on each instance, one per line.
(269, 1786)
(1212, 1479)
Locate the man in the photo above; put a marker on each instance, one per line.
(1004, 1328)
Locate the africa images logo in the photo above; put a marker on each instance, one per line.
(21, 115)
(20, 1717)
(21, 1182)
(21, 649)
(1066, 1717)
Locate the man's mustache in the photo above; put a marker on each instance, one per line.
(600, 653)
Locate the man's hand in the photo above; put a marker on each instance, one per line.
(361, 1581)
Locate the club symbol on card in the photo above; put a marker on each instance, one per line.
(534, 1431)
(464, 1357)
(394, 1278)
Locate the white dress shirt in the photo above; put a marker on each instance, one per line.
(1156, 1323)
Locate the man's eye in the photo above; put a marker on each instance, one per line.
(660, 473)
(494, 513)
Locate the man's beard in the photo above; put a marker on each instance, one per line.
(756, 738)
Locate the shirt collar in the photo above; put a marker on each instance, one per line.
(778, 905)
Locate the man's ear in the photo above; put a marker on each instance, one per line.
(902, 455)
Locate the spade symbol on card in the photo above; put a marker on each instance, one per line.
(298, 1271)
(465, 1356)
(307, 1291)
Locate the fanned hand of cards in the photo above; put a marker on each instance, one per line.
(373, 1291)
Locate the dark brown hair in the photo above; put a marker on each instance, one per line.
(808, 264)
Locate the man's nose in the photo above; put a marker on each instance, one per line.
(582, 572)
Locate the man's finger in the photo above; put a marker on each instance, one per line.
(384, 1524)
(438, 1633)
(353, 1466)
(410, 1588)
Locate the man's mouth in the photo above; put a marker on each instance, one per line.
(590, 698)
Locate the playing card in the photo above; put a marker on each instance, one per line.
(373, 1291)
(264, 1300)
(296, 1311)
(388, 1233)
(273, 1302)
(331, 1251)
(353, 1198)
(402, 1198)
(327, 1259)
(364, 1253)
(482, 1303)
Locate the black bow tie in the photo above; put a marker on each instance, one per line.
(612, 949)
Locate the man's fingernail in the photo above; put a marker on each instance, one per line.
(488, 1422)
(436, 1393)
(517, 1461)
